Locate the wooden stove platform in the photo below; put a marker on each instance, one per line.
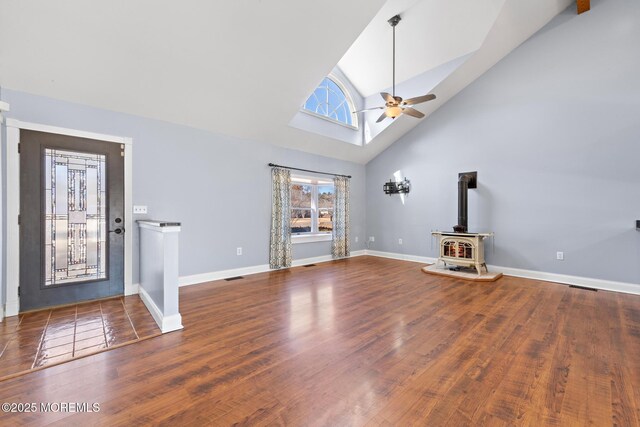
(466, 275)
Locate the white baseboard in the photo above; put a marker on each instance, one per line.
(245, 271)
(12, 308)
(165, 323)
(404, 257)
(222, 274)
(1, 312)
(605, 285)
(131, 289)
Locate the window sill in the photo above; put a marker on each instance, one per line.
(330, 120)
(309, 238)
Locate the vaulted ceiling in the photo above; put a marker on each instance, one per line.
(244, 68)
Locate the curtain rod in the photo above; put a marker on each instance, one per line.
(307, 170)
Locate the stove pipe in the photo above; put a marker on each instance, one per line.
(465, 181)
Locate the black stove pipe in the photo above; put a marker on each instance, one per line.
(465, 181)
(463, 210)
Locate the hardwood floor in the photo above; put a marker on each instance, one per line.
(363, 341)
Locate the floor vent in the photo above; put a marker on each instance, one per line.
(234, 278)
(309, 265)
(584, 288)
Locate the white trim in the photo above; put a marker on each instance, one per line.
(403, 257)
(605, 285)
(129, 287)
(12, 308)
(296, 178)
(166, 324)
(312, 260)
(310, 238)
(159, 229)
(4, 106)
(13, 203)
(68, 132)
(347, 94)
(12, 256)
(135, 288)
(196, 279)
(328, 119)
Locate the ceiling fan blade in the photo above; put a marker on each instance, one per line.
(413, 112)
(368, 109)
(419, 99)
(381, 118)
(387, 97)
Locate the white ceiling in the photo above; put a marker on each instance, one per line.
(243, 68)
(431, 33)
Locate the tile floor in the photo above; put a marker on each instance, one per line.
(46, 337)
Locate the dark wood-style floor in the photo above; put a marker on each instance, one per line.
(364, 341)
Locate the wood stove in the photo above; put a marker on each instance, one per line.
(462, 249)
(459, 247)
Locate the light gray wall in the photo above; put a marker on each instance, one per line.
(218, 187)
(554, 132)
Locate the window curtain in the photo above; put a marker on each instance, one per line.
(340, 242)
(280, 248)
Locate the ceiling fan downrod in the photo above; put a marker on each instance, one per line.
(395, 106)
(393, 22)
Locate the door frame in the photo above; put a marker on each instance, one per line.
(13, 127)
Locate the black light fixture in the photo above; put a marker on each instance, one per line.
(393, 187)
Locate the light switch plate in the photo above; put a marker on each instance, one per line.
(139, 209)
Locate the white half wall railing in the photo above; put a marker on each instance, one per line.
(3, 291)
(159, 272)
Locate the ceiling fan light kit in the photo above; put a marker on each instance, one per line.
(394, 105)
(393, 111)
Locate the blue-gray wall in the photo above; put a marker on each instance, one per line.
(554, 132)
(219, 187)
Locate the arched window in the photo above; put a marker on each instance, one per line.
(332, 101)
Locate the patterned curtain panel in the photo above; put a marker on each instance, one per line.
(280, 249)
(340, 243)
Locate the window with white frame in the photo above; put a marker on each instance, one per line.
(331, 101)
(311, 206)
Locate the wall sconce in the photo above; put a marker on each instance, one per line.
(392, 187)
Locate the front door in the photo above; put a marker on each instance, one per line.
(71, 219)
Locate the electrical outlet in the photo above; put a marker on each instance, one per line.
(372, 238)
(399, 241)
(560, 256)
(356, 239)
(239, 251)
(139, 209)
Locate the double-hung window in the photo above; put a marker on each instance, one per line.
(311, 209)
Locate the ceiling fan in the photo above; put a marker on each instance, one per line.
(394, 105)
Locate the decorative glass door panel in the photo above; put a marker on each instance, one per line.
(75, 217)
(71, 219)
